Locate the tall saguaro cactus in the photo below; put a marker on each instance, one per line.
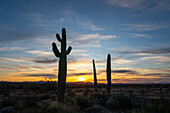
(108, 71)
(62, 71)
(95, 78)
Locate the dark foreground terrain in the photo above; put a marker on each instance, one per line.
(81, 98)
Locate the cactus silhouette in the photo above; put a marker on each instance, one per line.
(95, 78)
(62, 71)
(108, 71)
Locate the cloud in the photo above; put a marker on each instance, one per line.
(11, 48)
(79, 74)
(92, 40)
(39, 20)
(155, 57)
(122, 61)
(79, 50)
(40, 52)
(163, 70)
(21, 60)
(45, 60)
(139, 80)
(101, 79)
(78, 58)
(125, 71)
(126, 3)
(60, 20)
(157, 74)
(96, 36)
(151, 6)
(116, 60)
(81, 20)
(120, 71)
(141, 36)
(42, 75)
(142, 27)
(160, 5)
(8, 33)
(36, 17)
(90, 26)
(149, 51)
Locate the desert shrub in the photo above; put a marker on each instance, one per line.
(93, 96)
(99, 98)
(29, 101)
(83, 102)
(44, 97)
(78, 90)
(71, 94)
(69, 101)
(6, 93)
(119, 101)
(156, 106)
(130, 91)
(168, 88)
(50, 86)
(104, 92)
(62, 108)
(5, 102)
(87, 91)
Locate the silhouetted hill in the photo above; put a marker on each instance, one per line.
(80, 82)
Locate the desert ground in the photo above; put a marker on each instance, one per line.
(82, 98)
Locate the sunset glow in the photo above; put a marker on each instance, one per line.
(81, 79)
(136, 35)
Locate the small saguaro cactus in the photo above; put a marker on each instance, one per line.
(108, 71)
(95, 77)
(62, 71)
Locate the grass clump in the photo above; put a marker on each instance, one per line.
(119, 101)
(83, 102)
(71, 94)
(69, 101)
(62, 108)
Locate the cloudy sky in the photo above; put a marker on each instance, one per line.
(135, 32)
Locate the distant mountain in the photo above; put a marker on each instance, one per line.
(81, 82)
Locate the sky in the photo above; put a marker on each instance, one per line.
(135, 32)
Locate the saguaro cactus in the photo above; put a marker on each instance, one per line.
(95, 78)
(108, 71)
(62, 71)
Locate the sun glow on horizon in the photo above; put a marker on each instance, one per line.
(81, 79)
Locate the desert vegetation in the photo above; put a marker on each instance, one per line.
(82, 98)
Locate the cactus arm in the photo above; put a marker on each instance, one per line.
(63, 32)
(64, 35)
(58, 37)
(55, 50)
(63, 43)
(68, 50)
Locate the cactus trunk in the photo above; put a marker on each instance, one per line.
(62, 71)
(95, 78)
(108, 71)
